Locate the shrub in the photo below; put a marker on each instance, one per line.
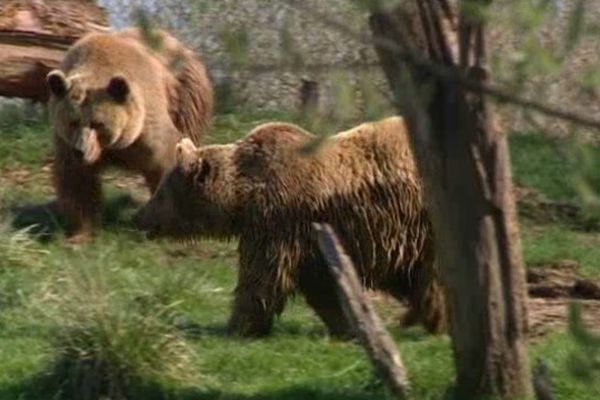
(584, 362)
(20, 256)
(18, 247)
(104, 343)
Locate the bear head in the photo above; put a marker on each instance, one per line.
(92, 117)
(199, 197)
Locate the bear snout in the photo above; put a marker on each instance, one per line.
(145, 224)
(88, 154)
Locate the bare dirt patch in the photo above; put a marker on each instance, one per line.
(552, 288)
(536, 207)
(25, 178)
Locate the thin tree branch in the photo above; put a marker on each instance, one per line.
(313, 67)
(450, 74)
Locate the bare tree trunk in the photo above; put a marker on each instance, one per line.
(360, 313)
(34, 36)
(465, 166)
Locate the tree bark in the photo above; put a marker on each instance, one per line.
(465, 166)
(360, 313)
(34, 36)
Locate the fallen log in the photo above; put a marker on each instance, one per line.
(34, 35)
(377, 342)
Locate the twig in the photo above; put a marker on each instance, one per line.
(361, 315)
(450, 74)
(313, 67)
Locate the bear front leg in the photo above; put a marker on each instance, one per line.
(153, 179)
(259, 295)
(252, 314)
(78, 189)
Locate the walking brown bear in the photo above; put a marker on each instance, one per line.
(264, 191)
(117, 101)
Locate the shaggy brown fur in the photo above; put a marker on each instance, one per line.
(117, 101)
(263, 190)
(191, 95)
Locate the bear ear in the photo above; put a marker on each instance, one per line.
(118, 89)
(57, 83)
(186, 153)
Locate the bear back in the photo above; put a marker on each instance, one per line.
(362, 181)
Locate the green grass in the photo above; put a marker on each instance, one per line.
(553, 167)
(297, 362)
(550, 165)
(25, 137)
(556, 351)
(547, 243)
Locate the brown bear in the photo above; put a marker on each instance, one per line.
(122, 99)
(265, 191)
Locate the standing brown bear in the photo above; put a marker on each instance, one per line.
(117, 101)
(266, 192)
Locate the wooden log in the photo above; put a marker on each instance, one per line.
(360, 313)
(23, 70)
(34, 35)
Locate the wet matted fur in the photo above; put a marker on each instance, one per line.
(263, 190)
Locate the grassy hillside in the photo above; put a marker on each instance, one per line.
(158, 310)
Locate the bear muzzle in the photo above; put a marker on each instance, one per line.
(88, 145)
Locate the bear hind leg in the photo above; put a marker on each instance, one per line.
(426, 300)
(321, 295)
